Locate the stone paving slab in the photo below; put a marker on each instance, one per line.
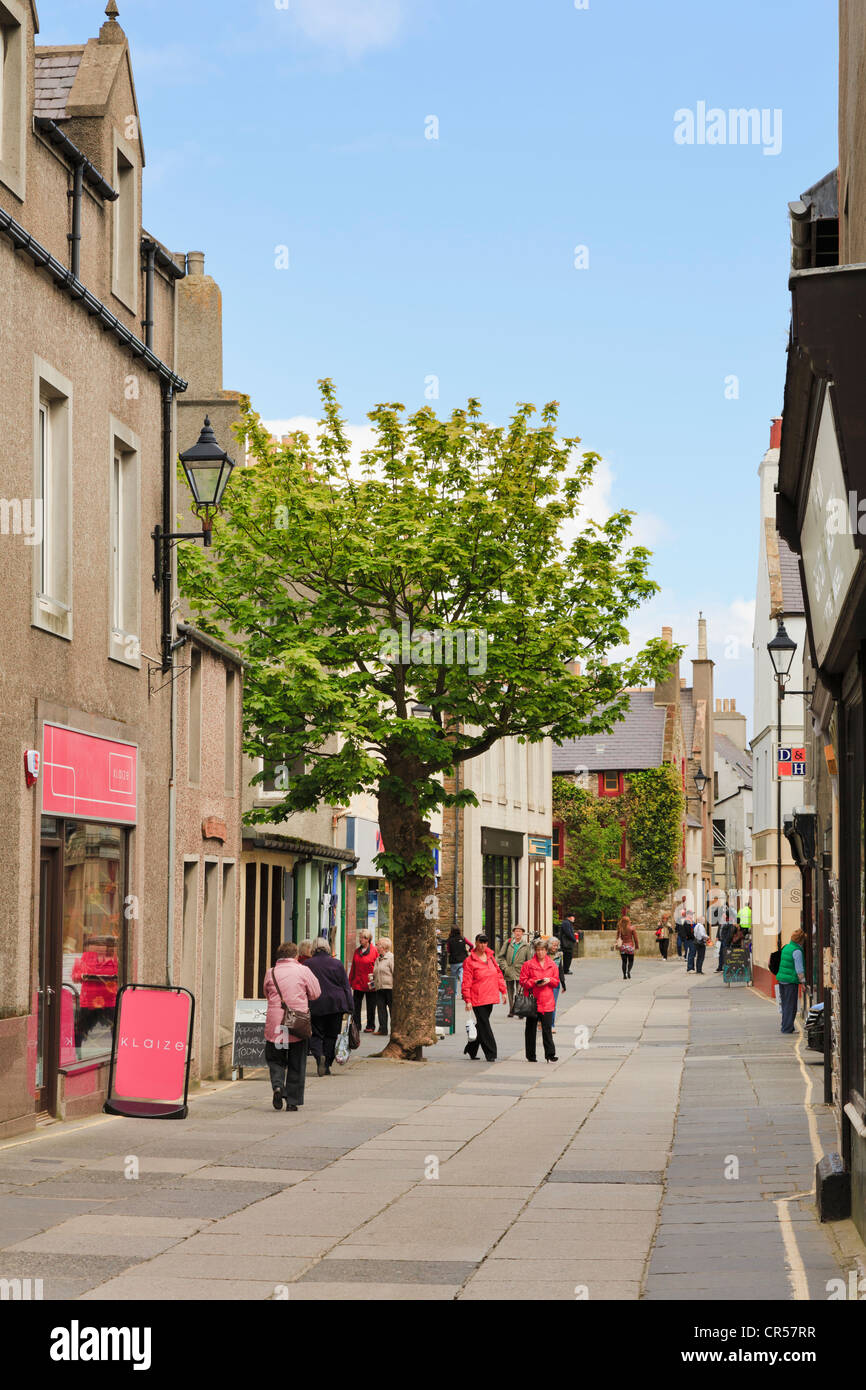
(341, 1271)
(136, 1288)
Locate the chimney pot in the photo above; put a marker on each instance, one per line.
(574, 668)
(668, 635)
(733, 706)
(702, 638)
(718, 706)
(776, 433)
(682, 682)
(195, 263)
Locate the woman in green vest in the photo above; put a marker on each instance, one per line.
(790, 976)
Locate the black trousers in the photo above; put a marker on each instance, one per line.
(664, 943)
(567, 954)
(627, 962)
(288, 1070)
(370, 996)
(383, 1008)
(483, 1034)
(546, 1021)
(699, 956)
(326, 1030)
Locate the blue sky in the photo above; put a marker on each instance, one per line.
(304, 126)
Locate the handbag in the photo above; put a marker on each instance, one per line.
(353, 1033)
(294, 1020)
(525, 1005)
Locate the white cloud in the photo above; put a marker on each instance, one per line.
(354, 27)
(360, 437)
(598, 503)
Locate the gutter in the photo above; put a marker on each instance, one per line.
(72, 286)
(76, 157)
(155, 256)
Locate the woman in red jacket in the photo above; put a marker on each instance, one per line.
(483, 985)
(540, 976)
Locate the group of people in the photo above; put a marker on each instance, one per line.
(309, 980)
(486, 978)
(371, 975)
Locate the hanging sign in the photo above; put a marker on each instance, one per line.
(790, 761)
(150, 1054)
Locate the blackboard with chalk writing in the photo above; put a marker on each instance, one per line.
(248, 1045)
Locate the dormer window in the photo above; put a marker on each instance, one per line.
(12, 95)
(126, 233)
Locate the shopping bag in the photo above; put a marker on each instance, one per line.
(341, 1051)
(471, 1030)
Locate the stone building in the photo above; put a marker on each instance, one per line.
(670, 723)
(732, 796)
(89, 380)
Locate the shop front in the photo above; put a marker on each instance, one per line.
(820, 512)
(501, 855)
(89, 794)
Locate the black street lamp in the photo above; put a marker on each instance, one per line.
(781, 649)
(701, 779)
(208, 469)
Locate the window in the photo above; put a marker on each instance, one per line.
(13, 95)
(126, 260)
(195, 719)
(94, 945)
(279, 772)
(499, 897)
(715, 786)
(124, 550)
(609, 783)
(558, 844)
(719, 842)
(52, 495)
(231, 710)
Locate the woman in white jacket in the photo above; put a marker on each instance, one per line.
(383, 983)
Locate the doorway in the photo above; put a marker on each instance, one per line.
(48, 984)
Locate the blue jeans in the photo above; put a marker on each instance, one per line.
(556, 989)
(456, 972)
(691, 948)
(789, 994)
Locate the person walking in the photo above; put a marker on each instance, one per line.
(724, 936)
(483, 986)
(361, 979)
(664, 931)
(326, 1012)
(512, 956)
(790, 975)
(538, 976)
(383, 983)
(627, 944)
(699, 942)
(569, 938)
(554, 950)
(292, 985)
(457, 948)
(305, 951)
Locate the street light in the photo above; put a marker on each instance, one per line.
(781, 649)
(208, 469)
(701, 779)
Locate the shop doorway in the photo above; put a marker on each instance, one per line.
(48, 1001)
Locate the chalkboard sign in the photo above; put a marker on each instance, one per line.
(248, 1048)
(736, 957)
(445, 1006)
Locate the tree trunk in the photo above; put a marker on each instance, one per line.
(416, 978)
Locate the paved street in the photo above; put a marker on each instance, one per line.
(603, 1176)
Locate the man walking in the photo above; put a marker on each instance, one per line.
(512, 956)
(701, 938)
(568, 939)
(724, 934)
(689, 943)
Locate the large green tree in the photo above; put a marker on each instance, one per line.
(431, 574)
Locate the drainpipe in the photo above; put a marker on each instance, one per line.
(74, 237)
(150, 263)
(456, 842)
(167, 665)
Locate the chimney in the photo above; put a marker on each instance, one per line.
(776, 433)
(682, 682)
(195, 263)
(702, 637)
(574, 667)
(667, 692)
(728, 721)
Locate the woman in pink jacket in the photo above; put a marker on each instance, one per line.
(295, 985)
(483, 986)
(539, 976)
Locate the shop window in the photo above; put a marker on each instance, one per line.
(13, 96)
(94, 948)
(50, 526)
(499, 897)
(125, 553)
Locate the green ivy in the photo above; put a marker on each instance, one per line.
(654, 817)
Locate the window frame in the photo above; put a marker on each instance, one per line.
(52, 424)
(124, 494)
(13, 96)
(125, 277)
(604, 790)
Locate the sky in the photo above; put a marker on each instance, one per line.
(510, 201)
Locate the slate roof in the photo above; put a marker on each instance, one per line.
(636, 742)
(56, 70)
(789, 569)
(738, 758)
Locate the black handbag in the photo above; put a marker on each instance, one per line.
(525, 1005)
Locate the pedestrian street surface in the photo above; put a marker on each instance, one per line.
(670, 1158)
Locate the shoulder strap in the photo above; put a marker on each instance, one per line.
(276, 985)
